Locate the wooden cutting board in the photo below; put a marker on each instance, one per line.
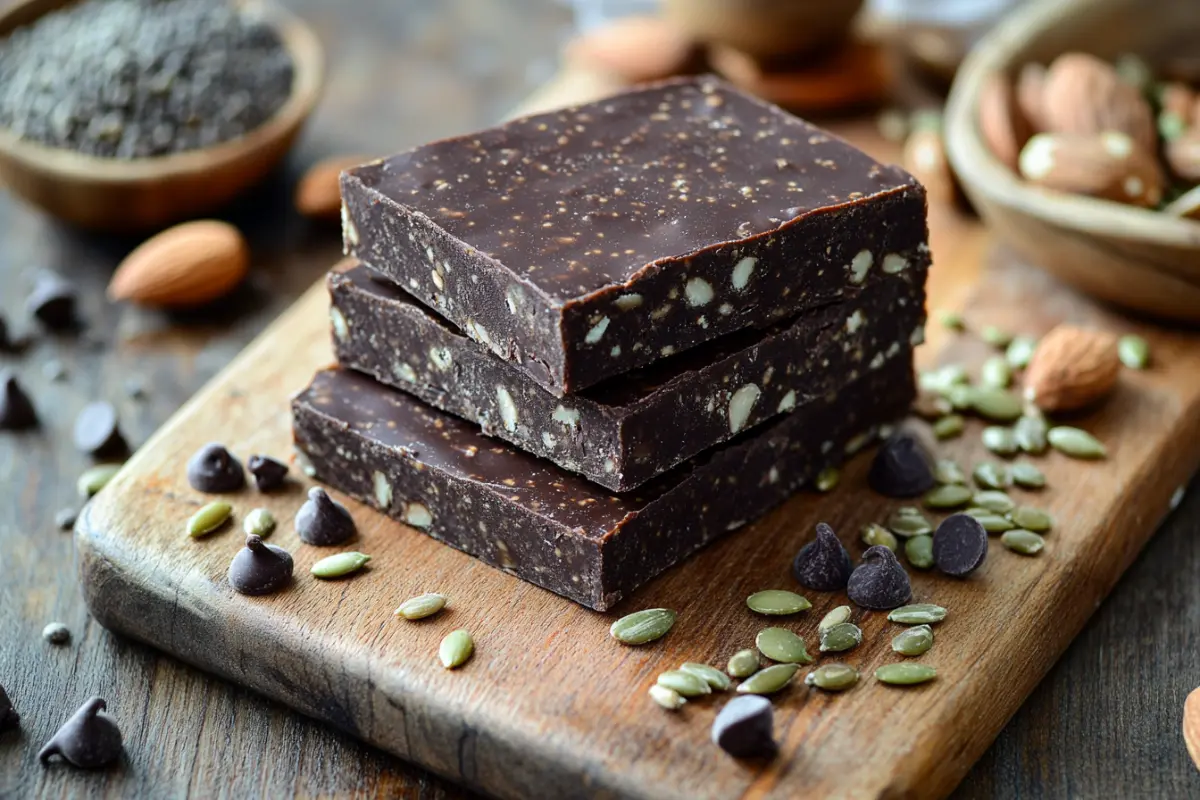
(551, 706)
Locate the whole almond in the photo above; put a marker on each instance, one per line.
(1107, 165)
(1085, 95)
(1183, 156)
(187, 265)
(636, 49)
(1191, 725)
(1072, 368)
(1031, 82)
(318, 194)
(1001, 122)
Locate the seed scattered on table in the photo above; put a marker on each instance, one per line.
(340, 565)
(906, 673)
(919, 551)
(1020, 351)
(777, 602)
(836, 616)
(667, 698)
(421, 606)
(914, 641)
(780, 644)
(995, 336)
(827, 479)
(948, 471)
(743, 664)
(209, 518)
(684, 683)
(1031, 431)
(456, 648)
(950, 495)
(918, 614)
(949, 426)
(908, 521)
(718, 681)
(769, 680)
(1076, 443)
(1000, 440)
(1032, 519)
(951, 320)
(643, 627)
(832, 677)
(993, 500)
(996, 405)
(259, 522)
(990, 475)
(1026, 475)
(995, 373)
(873, 534)
(841, 637)
(1027, 543)
(93, 479)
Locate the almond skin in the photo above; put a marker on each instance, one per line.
(1072, 368)
(1001, 121)
(1191, 725)
(1031, 82)
(1084, 95)
(1109, 165)
(187, 265)
(1183, 156)
(318, 195)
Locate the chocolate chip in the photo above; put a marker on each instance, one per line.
(97, 431)
(269, 474)
(260, 568)
(823, 564)
(64, 518)
(52, 302)
(213, 470)
(960, 545)
(879, 582)
(87, 740)
(16, 409)
(902, 467)
(745, 727)
(9, 718)
(322, 521)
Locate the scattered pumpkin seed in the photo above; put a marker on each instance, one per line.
(1027, 476)
(208, 518)
(941, 379)
(960, 396)
(643, 627)
(873, 534)
(996, 405)
(908, 521)
(421, 606)
(667, 698)
(769, 680)
(995, 336)
(456, 648)
(1075, 442)
(96, 478)
(951, 320)
(993, 522)
(919, 551)
(1134, 351)
(832, 677)
(1020, 351)
(949, 426)
(777, 602)
(836, 616)
(990, 475)
(931, 406)
(995, 373)
(716, 679)
(1027, 543)
(743, 664)
(995, 501)
(259, 522)
(917, 614)
(914, 641)
(841, 637)
(1000, 440)
(948, 471)
(950, 495)
(339, 565)
(827, 479)
(780, 644)
(1030, 432)
(684, 683)
(1032, 519)
(906, 673)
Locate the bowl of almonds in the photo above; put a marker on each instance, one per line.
(1074, 127)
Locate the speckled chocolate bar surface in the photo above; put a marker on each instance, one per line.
(550, 527)
(632, 428)
(583, 243)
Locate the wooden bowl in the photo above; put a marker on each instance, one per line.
(1143, 260)
(765, 29)
(137, 194)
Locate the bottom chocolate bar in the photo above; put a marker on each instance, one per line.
(555, 529)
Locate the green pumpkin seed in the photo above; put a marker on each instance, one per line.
(259, 522)
(643, 627)
(456, 648)
(999, 440)
(421, 606)
(919, 551)
(1032, 519)
(780, 644)
(996, 405)
(960, 396)
(1134, 351)
(1075, 443)
(1030, 432)
(777, 602)
(667, 698)
(827, 479)
(951, 320)
(716, 679)
(949, 426)
(841, 637)
(339, 565)
(1020, 351)
(994, 501)
(950, 495)
(684, 683)
(208, 518)
(992, 522)
(914, 641)
(990, 475)
(873, 534)
(940, 380)
(906, 673)
(908, 521)
(96, 478)
(1027, 543)
(996, 337)
(918, 614)
(1027, 476)
(948, 471)
(832, 677)
(769, 680)
(995, 373)
(743, 664)
(836, 616)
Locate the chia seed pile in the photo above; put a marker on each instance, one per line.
(137, 78)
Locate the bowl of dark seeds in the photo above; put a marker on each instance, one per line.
(125, 115)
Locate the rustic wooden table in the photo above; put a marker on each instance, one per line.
(1104, 723)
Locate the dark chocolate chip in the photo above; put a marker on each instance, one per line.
(322, 521)
(260, 568)
(97, 431)
(960, 545)
(823, 564)
(16, 409)
(213, 470)
(9, 718)
(879, 582)
(903, 466)
(269, 474)
(64, 518)
(88, 739)
(745, 727)
(52, 301)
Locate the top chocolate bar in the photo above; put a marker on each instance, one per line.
(583, 243)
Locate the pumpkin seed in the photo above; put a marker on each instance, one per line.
(643, 627)
(743, 664)
(917, 614)
(456, 648)
(931, 406)
(1020, 351)
(339, 565)
(995, 373)
(908, 521)
(949, 426)
(948, 471)
(684, 683)
(996, 337)
(1027, 476)
(951, 320)
(1000, 440)
(1030, 432)
(841, 637)
(914, 641)
(96, 478)
(1027, 543)
(996, 405)
(992, 522)
(711, 675)
(832, 677)
(777, 602)
(960, 396)
(1134, 351)
(950, 495)
(990, 475)
(769, 680)
(873, 534)
(1075, 442)
(1032, 519)
(780, 644)
(259, 522)
(995, 501)
(940, 380)
(919, 551)
(827, 479)
(835, 617)
(906, 673)
(208, 518)
(421, 606)
(667, 698)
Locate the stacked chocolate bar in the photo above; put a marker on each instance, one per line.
(584, 344)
